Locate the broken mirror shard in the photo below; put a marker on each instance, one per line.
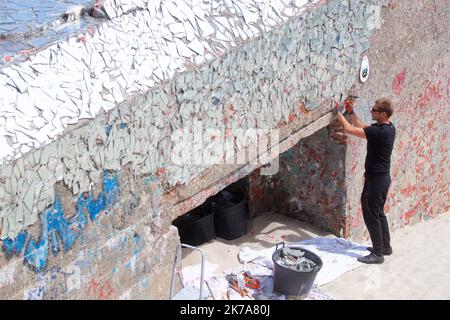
(295, 259)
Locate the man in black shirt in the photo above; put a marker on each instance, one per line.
(380, 141)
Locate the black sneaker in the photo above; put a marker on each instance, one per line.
(386, 251)
(371, 258)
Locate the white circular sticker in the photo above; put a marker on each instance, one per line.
(364, 71)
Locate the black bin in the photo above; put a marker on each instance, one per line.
(292, 282)
(196, 227)
(230, 215)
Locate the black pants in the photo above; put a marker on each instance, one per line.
(373, 198)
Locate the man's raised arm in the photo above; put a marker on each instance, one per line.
(348, 128)
(357, 121)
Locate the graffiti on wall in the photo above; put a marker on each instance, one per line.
(100, 288)
(310, 181)
(420, 158)
(397, 83)
(61, 233)
(425, 186)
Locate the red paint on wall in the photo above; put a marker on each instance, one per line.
(82, 39)
(256, 192)
(302, 108)
(432, 91)
(356, 221)
(160, 172)
(408, 190)
(422, 203)
(292, 117)
(25, 52)
(448, 87)
(100, 290)
(420, 156)
(410, 213)
(397, 83)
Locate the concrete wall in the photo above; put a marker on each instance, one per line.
(310, 184)
(89, 185)
(410, 64)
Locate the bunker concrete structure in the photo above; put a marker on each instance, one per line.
(109, 135)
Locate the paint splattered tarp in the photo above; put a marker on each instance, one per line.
(221, 290)
(191, 274)
(338, 256)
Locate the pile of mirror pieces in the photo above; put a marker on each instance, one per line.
(295, 259)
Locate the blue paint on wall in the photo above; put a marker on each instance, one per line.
(138, 244)
(288, 155)
(108, 128)
(284, 42)
(106, 199)
(14, 247)
(57, 230)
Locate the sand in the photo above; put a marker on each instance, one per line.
(263, 232)
(418, 269)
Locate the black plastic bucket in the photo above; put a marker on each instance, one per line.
(292, 282)
(231, 221)
(196, 227)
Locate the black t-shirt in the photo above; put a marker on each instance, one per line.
(380, 141)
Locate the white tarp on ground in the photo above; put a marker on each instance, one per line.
(338, 256)
(191, 274)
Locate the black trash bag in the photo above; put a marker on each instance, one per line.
(230, 216)
(196, 227)
(222, 200)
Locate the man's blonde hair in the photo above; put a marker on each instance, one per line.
(385, 105)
